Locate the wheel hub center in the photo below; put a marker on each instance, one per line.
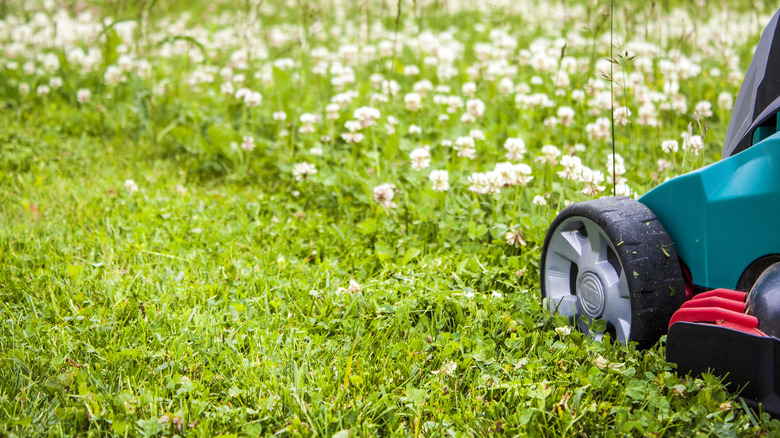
(591, 294)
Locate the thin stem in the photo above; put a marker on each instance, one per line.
(612, 92)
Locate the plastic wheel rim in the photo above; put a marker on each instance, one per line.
(585, 279)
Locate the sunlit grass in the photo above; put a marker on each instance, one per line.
(184, 258)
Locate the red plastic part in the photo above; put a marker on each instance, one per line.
(688, 279)
(722, 307)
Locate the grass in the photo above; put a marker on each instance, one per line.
(246, 302)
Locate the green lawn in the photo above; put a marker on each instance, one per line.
(178, 260)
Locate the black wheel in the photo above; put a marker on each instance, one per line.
(610, 259)
(763, 301)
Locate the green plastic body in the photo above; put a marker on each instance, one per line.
(725, 216)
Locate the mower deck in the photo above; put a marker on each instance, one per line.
(711, 333)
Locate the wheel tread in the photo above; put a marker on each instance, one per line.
(641, 238)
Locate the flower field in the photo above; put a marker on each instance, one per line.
(325, 217)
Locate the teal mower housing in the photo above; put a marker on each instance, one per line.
(724, 219)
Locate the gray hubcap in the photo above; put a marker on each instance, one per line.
(591, 294)
(584, 279)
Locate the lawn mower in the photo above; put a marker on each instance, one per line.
(697, 257)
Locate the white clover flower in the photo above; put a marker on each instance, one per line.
(421, 158)
(703, 108)
(316, 151)
(592, 179)
(725, 100)
(615, 162)
(131, 186)
(571, 167)
(663, 165)
(561, 79)
(600, 129)
(352, 136)
(679, 103)
(563, 331)
(565, 115)
(695, 144)
(354, 286)
(539, 200)
(475, 107)
(342, 99)
(465, 147)
(284, 63)
(446, 143)
(252, 99)
(648, 116)
(411, 70)
(440, 180)
(226, 73)
(492, 182)
(302, 171)
(515, 148)
(422, 87)
(477, 181)
(390, 87)
(540, 100)
(332, 111)
(469, 88)
(226, 88)
(413, 101)
(125, 62)
(43, 90)
(83, 95)
(622, 189)
(113, 75)
(622, 115)
(366, 115)
(353, 125)
(670, 146)
(505, 85)
(241, 93)
(551, 154)
(454, 103)
(55, 82)
(515, 237)
(383, 195)
(508, 174)
(449, 367)
(279, 115)
(307, 122)
(477, 134)
(248, 144)
(28, 68)
(414, 129)
(523, 173)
